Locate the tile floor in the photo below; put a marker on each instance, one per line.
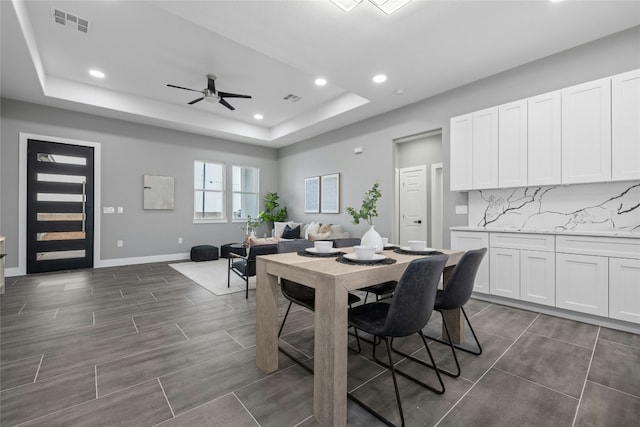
(143, 345)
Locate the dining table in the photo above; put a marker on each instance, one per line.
(332, 278)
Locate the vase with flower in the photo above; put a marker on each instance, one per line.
(368, 211)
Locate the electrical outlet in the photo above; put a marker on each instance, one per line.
(120, 209)
(179, 240)
(120, 243)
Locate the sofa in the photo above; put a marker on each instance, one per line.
(291, 230)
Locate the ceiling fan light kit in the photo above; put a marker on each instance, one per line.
(211, 94)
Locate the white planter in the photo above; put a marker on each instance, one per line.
(372, 238)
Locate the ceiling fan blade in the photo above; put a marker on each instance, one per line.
(211, 85)
(226, 104)
(185, 88)
(232, 95)
(196, 100)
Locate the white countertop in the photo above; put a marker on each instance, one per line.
(601, 233)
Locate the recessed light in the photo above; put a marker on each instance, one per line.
(258, 116)
(320, 81)
(97, 74)
(380, 78)
(399, 91)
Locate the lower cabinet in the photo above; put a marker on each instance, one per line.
(504, 272)
(624, 289)
(467, 240)
(582, 283)
(538, 277)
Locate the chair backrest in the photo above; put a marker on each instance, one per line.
(346, 242)
(414, 297)
(255, 251)
(460, 285)
(294, 245)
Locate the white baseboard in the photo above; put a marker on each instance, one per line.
(18, 271)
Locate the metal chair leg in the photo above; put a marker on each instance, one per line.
(441, 341)
(395, 381)
(285, 319)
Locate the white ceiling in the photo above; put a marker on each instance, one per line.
(269, 49)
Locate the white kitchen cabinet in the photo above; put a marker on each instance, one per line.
(625, 126)
(544, 150)
(512, 144)
(484, 168)
(624, 289)
(586, 132)
(582, 283)
(467, 240)
(523, 266)
(538, 277)
(461, 148)
(504, 272)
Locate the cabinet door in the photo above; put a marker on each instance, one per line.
(461, 152)
(625, 115)
(470, 240)
(512, 144)
(543, 139)
(485, 149)
(586, 132)
(504, 272)
(624, 289)
(538, 277)
(582, 283)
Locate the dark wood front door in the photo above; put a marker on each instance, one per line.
(59, 206)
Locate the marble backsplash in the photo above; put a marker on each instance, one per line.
(610, 206)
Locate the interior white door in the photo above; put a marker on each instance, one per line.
(436, 205)
(413, 204)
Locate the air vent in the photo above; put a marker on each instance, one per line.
(291, 97)
(70, 21)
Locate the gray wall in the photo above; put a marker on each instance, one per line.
(333, 151)
(129, 151)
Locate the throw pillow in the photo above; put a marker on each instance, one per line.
(319, 236)
(255, 241)
(312, 228)
(278, 228)
(291, 233)
(325, 228)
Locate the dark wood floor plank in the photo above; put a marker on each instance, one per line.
(19, 372)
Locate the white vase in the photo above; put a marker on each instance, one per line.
(372, 238)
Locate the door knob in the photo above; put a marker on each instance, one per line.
(418, 221)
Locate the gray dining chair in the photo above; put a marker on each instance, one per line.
(408, 312)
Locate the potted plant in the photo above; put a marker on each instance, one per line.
(271, 213)
(367, 212)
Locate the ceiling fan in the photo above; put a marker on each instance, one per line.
(210, 93)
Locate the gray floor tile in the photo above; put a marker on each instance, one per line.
(140, 406)
(500, 399)
(225, 411)
(616, 366)
(570, 331)
(545, 361)
(109, 350)
(19, 372)
(620, 337)
(603, 406)
(504, 321)
(30, 401)
(282, 399)
(132, 370)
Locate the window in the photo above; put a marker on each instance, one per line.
(209, 191)
(246, 188)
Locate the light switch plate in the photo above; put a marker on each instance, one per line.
(108, 210)
(462, 210)
(120, 209)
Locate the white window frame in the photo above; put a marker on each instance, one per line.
(223, 193)
(244, 217)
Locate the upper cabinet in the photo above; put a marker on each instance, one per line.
(485, 149)
(625, 109)
(544, 135)
(586, 132)
(461, 151)
(512, 144)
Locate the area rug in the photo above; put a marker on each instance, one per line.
(212, 275)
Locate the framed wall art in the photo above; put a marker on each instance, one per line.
(330, 193)
(312, 195)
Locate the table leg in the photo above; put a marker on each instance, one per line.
(330, 354)
(454, 318)
(266, 319)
